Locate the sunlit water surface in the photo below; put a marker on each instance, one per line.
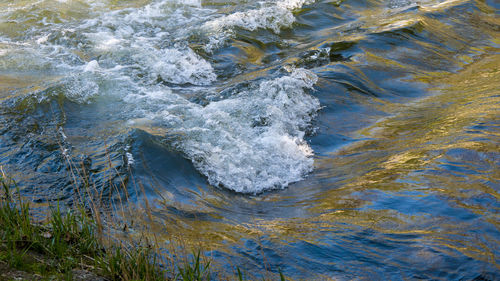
(329, 139)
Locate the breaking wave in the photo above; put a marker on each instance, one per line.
(252, 141)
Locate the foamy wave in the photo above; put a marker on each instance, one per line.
(81, 88)
(274, 17)
(249, 142)
(255, 140)
(142, 38)
(177, 66)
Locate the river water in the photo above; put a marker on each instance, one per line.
(329, 139)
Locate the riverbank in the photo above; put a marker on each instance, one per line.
(67, 245)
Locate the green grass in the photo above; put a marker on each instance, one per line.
(195, 270)
(73, 239)
(67, 241)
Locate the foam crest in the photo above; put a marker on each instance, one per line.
(142, 39)
(269, 16)
(81, 88)
(176, 66)
(253, 141)
(137, 57)
(250, 142)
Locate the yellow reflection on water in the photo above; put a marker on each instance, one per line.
(394, 161)
(415, 140)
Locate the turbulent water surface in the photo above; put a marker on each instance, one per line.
(330, 139)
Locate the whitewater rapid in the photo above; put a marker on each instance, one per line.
(250, 140)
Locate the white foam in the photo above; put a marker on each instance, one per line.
(255, 140)
(42, 39)
(91, 66)
(63, 135)
(269, 15)
(142, 37)
(250, 142)
(129, 156)
(176, 66)
(81, 88)
(273, 16)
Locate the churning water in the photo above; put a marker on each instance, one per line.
(331, 139)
